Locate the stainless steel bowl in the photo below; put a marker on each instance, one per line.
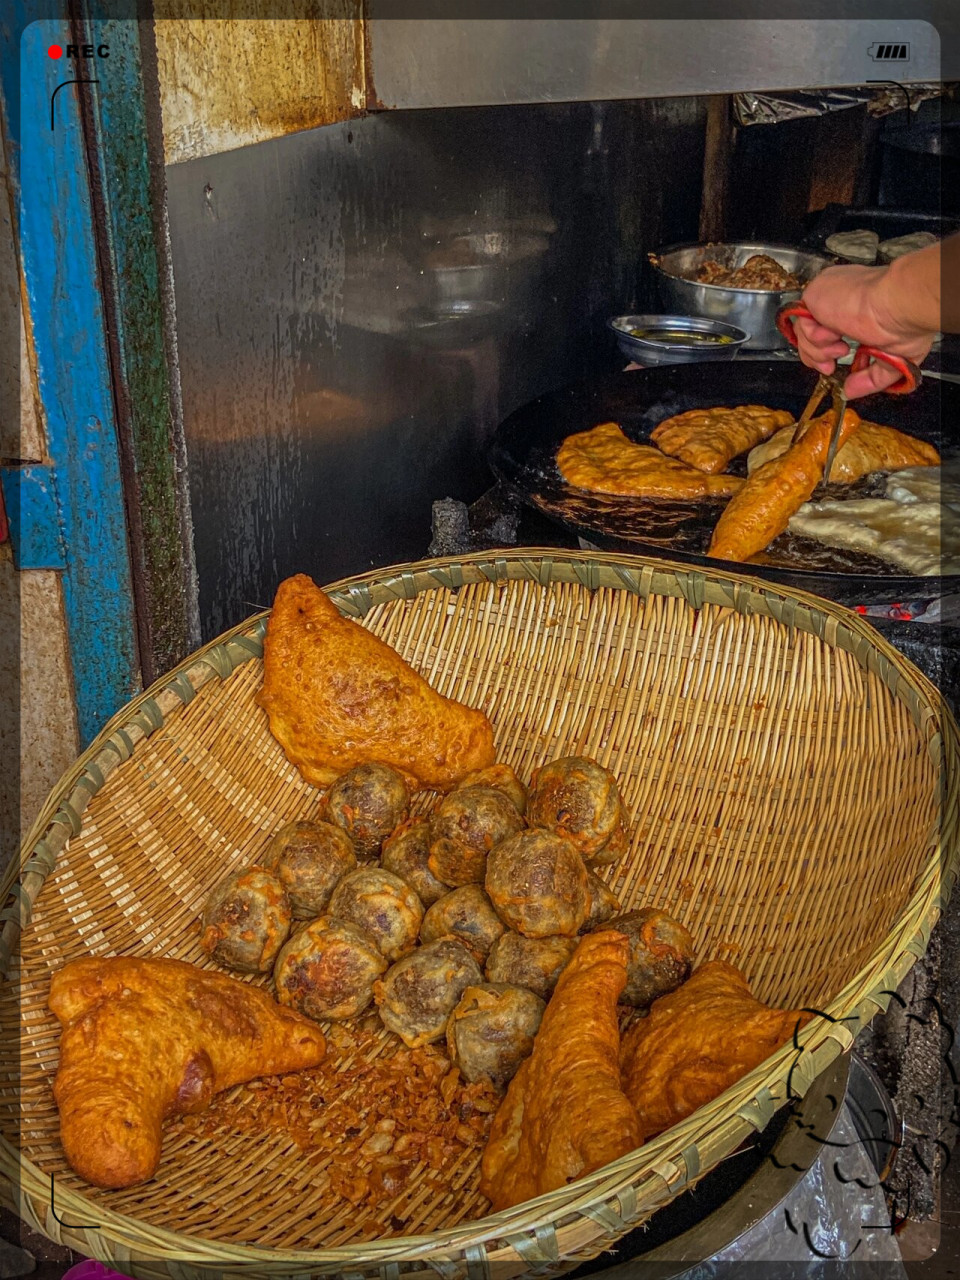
(754, 310)
(497, 266)
(709, 339)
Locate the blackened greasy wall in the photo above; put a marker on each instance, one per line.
(342, 360)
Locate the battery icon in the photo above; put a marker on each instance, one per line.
(895, 52)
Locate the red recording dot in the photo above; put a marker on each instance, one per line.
(55, 51)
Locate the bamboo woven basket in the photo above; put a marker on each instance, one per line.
(792, 785)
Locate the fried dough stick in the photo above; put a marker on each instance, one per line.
(763, 507)
(565, 1114)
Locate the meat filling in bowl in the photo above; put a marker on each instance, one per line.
(758, 272)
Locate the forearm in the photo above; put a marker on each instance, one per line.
(950, 286)
(919, 290)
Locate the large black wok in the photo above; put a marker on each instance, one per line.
(525, 445)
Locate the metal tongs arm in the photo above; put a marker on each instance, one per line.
(827, 384)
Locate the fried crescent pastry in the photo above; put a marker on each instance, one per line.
(697, 1042)
(565, 1114)
(763, 507)
(337, 696)
(144, 1039)
(709, 439)
(603, 460)
(872, 447)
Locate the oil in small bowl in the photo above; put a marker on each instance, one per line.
(653, 340)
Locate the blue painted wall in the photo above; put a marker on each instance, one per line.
(59, 262)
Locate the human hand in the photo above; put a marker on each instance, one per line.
(859, 303)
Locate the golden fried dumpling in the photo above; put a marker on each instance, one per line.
(709, 439)
(406, 853)
(661, 954)
(246, 920)
(383, 906)
(697, 1042)
(327, 969)
(578, 798)
(502, 778)
(533, 963)
(465, 913)
(538, 884)
(368, 802)
(336, 696)
(464, 827)
(492, 1030)
(417, 995)
(144, 1039)
(309, 858)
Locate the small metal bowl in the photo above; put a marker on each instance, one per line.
(652, 340)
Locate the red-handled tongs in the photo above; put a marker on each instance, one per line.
(832, 383)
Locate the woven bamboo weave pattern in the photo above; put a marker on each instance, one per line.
(783, 773)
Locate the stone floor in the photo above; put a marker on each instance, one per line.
(24, 1252)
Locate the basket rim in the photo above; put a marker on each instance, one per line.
(533, 1225)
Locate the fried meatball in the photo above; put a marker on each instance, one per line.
(602, 903)
(368, 802)
(538, 884)
(417, 995)
(327, 969)
(491, 1031)
(661, 954)
(309, 858)
(464, 827)
(533, 963)
(246, 920)
(502, 778)
(578, 798)
(382, 905)
(465, 913)
(405, 853)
